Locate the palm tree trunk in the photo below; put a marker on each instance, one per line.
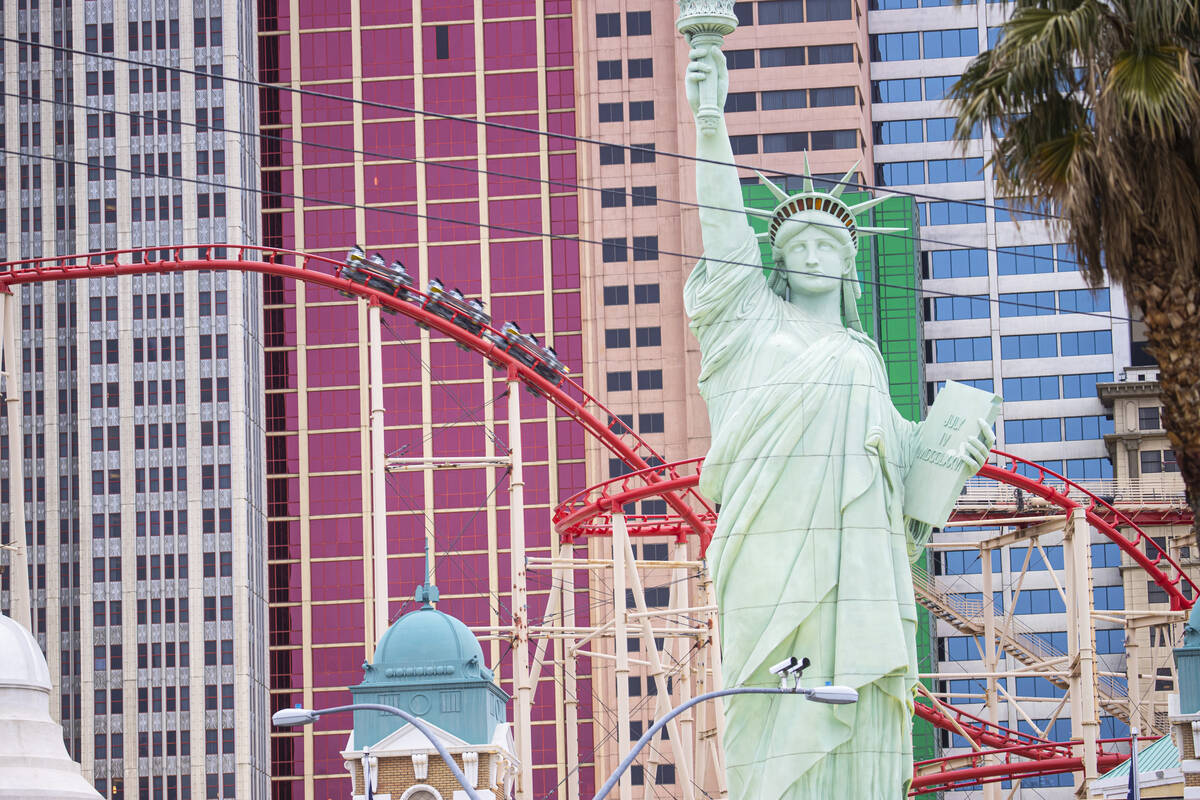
(1171, 305)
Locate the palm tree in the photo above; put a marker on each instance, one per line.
(1099, 108)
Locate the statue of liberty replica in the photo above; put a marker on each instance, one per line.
(808, 463)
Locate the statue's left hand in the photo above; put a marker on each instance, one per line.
(974, 452)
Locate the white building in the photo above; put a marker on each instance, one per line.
(1021, 323)
(143, 403)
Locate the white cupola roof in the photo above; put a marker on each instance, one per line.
(33, 759)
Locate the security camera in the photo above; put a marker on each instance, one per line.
(791, 666)
(785, 666)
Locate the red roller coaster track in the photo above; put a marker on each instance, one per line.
(588, 513)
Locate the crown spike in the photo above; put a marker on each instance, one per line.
(808, 182)
(779, 194)
(869, 203)
(837, 190)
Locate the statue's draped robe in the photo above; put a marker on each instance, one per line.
(809, 557)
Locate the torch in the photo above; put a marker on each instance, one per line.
(704, 23)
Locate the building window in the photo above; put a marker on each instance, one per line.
(645, 195)
(1023, 431)
(608, 25)
(1033, 345)
(975, 348)
(644, 293)
(834, 140)
(650, 379)
(649, 337)
(1044, 387)
(970, 307)
(641, 110)
(780, 12)
(642, 153)
(904, 46)
(609, 70)
(964, 263)
(651, 423)
(827, 10)
(637, 23)
(612, 198)
(620, 381)
(736, 102)
(831, 54)
(781, 57)
(900, 173)
(896, 90)
(1026, 304)
(746, 144)
(645, 248)
(616, 295)
(739, 59)
(785, 142)
(783, 99)
(1148, 418)
(955, 170)
(744, 13)
(611, 154)
(952, 43)
(611, 112)
(641, 68)
(614, 249)
(616, 338)
(1086, 343)
(833, 96)
(441, 42)
(900, 131)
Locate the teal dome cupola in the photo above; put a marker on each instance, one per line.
(429, 664)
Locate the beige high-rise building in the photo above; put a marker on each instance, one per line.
(142, 395)
(1144, 469)
(798, 83)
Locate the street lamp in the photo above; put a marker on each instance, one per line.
(834, 695)
(305, 716)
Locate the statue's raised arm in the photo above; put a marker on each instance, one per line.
(722, 221)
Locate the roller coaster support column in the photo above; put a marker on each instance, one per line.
(1133, 678)
(18, 557)
(379, 543)
(522, 680)
(657, 674)
(620, 650)
(991, 791)
(709, 756)
(566, 583)
(1081, 636)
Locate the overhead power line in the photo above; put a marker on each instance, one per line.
(463, 167)
(562, 237)
(488, 123)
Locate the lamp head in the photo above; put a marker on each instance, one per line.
(294, 716)
(833, 695)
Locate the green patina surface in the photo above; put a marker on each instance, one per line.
(889, 271)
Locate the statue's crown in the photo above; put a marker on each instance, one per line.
(830, 203)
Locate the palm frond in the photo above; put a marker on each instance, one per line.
(1155, 87)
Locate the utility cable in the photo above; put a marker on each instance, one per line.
(578, 239)
(469, 120)
(463, 167)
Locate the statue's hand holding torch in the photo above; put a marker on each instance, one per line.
(707, 84)
(705, 24)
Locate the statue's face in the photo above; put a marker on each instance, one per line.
(816, 258)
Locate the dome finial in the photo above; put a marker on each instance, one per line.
(427, 593)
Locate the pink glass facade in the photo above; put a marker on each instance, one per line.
(421, 197)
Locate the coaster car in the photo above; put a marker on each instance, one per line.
(449, 304)
(375, 273)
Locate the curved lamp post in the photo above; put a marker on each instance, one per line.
(836, 695)
(304, 716)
